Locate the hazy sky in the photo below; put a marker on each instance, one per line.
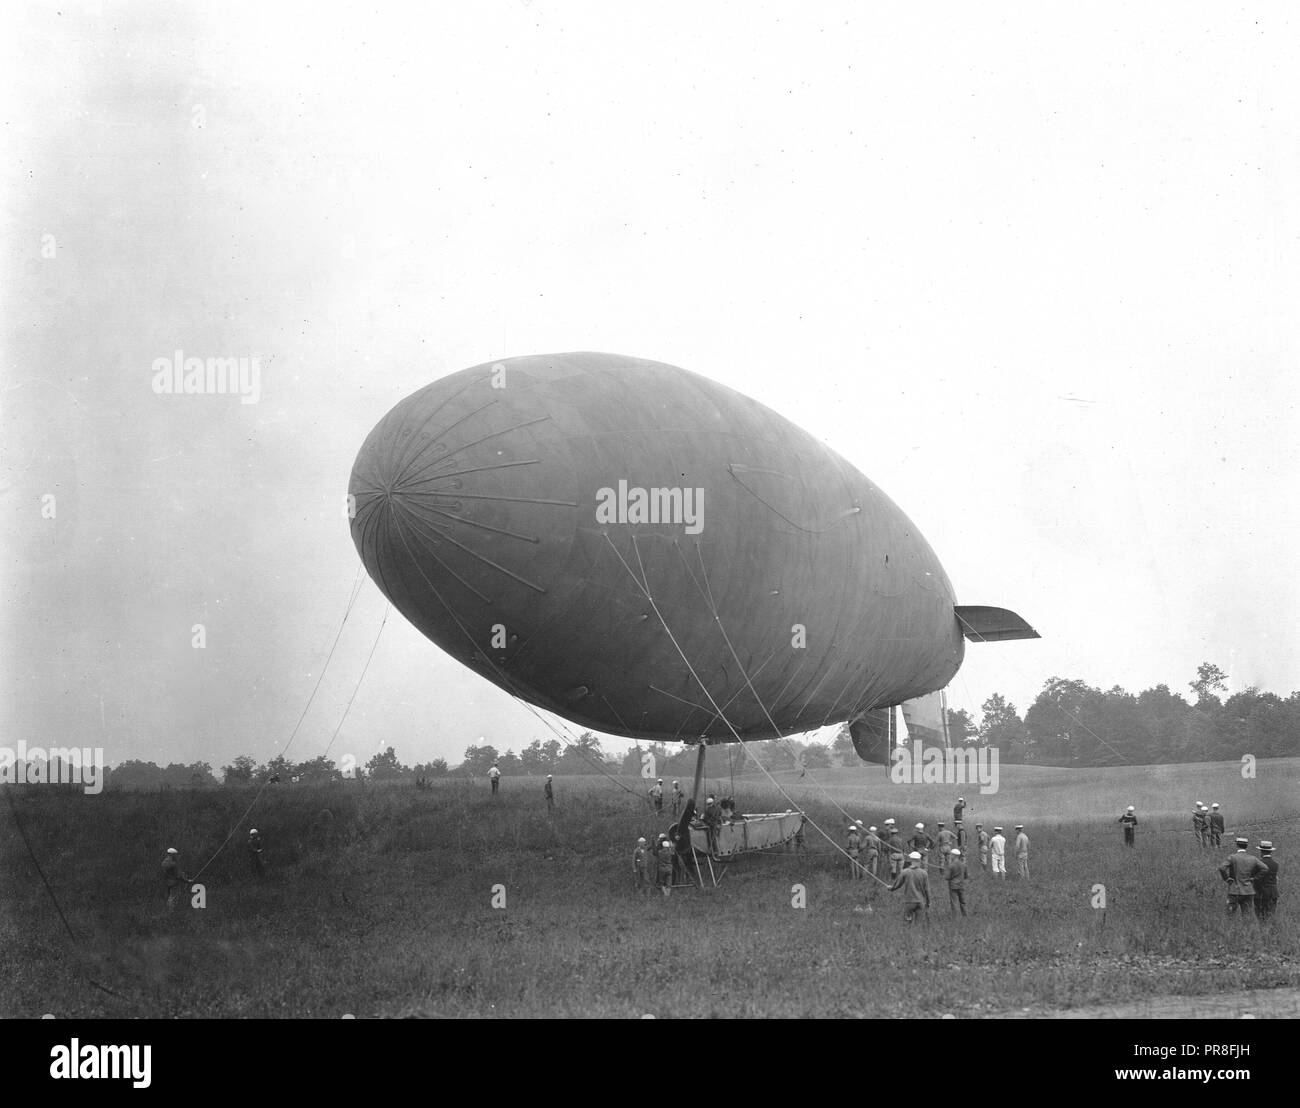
(1035, 272)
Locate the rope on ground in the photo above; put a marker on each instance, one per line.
(356, 591)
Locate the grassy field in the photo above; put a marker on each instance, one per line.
(385, 909)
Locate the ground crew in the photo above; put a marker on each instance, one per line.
(494, 775)
(1240, 871)
(954, 872)
(873, 851)
(960, 833)
(712, 821)
(255, 856)
(998, 853)
(1022, 851)
(1199, 825)
(958, 809)
(853, 848)
(679, 798)
(947, 841)
(639, 867)
(982, 841)
(920, 841)
(657, 795)
(171, 870)
(1266, 883)
(550, 795)
(1216, 825)
(897, 848)
(915, 884)
(667, 855)
(1130, 822)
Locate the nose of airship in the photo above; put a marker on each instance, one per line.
(449, 503)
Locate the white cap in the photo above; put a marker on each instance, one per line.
(872, 827)
(252, 830)
(1214, 805)
(997, 828)
(890, 820)
(961, 800)
(549, 776)
(914, 856)
(1020, 826)
(171, 850)
(954, 850)
(858, 822)
(1130, 807)
(641, 840)
(661, 781)
(676, 782)
(920, 826)
(852, 827)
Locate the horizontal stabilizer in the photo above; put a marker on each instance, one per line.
(980, 624)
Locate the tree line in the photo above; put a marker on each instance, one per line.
(1070, 723)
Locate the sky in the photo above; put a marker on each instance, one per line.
(1033, 270)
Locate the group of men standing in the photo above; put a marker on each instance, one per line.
(1251, 881)
(657, 797)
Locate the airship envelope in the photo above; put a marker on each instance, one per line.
(651, 554)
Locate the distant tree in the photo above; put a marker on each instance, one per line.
(1002, 727)
(386, 767)
(509, 765)
(583, 755)
(133, 774)
(435, 768)
(817, 756)
(478, 760)
(318, 770)
(961, 728)
(631, 763)
(240, 771)
(1210, 679)
(278, 770)
(843, 748)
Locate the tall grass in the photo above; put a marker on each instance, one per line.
(386, 907)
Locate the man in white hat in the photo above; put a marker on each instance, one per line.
(666, 859)
(679, 798)
(494, 777)
(954, 872)
(639, 867)
(915, 883)
(958, 809)
(1130, 821)
(896, 846)
(171, 868)
(853, 848)
(256, 859)
(1199, 826)
(920, 840)
(998, 854)
(1216, 825)
(1240, 871)
(550, 794)
(872, 845)
(1022, 851)
(657, 795)
(1266, 882)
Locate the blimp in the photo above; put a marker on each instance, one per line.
(650, 554)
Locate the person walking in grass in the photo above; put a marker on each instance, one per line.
(897, 848)
(1240, 871)
(1266, 883)
(873, 845)
(947, 840)
(1216, 825)
(256, 857)
(982, 844)
(639, 860)
(667, 855)
(173, 876)
(657, 795)
(1022, 851)
(550, 795)
(494, 776)
(1199, 827)
(1130, 821)
(959, 809)
(853, 848)
(915, 884)
(954, 872)
(998, 854)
